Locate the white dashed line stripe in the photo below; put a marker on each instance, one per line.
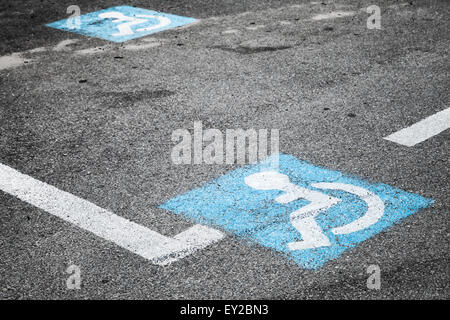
(422, 130)
(333, 15)
(136, 238)
(12, 61)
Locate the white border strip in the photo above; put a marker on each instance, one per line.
(136, 238)
(422, 130)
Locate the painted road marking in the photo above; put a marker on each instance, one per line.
(303, 219)
(310, 214)
(333, 15)
(151, 245)
(12, 61)
(422, 130)
(123, 23)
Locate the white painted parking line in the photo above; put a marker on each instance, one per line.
(333, 15)
(422, 130)
(12, 61)
(136, 238)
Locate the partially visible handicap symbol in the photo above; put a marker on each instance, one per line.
(125, 27)
(303, 219)
(122, 23)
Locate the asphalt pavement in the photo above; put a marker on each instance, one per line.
(95, 118)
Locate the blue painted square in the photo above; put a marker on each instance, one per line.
(228, 203)
(121, 23)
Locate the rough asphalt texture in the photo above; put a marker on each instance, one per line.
(332, 87)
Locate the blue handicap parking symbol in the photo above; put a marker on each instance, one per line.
(309, 213)
(122, 23)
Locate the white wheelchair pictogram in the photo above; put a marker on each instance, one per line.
(303, 219)
(126, 22)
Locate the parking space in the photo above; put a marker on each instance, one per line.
(87, 169)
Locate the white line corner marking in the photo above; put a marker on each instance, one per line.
(422, 130)
(151, 245)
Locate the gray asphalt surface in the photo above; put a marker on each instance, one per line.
(332, 87)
